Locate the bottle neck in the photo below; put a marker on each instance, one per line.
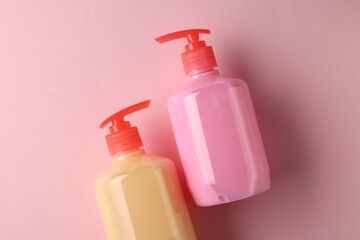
(203, 74)
(121, 156)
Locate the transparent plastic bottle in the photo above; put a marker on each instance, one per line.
(216, 130)
(139, 195)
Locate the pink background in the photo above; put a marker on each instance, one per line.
(66, 65)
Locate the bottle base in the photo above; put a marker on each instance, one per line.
(219, 199)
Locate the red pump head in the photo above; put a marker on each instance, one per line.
(123, 137)
(197, 56)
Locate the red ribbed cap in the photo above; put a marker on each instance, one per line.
(198, 60)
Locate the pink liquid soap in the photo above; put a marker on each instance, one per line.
(216, 130)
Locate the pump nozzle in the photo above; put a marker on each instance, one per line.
(123, 136)
(197, 56)
(192, 35)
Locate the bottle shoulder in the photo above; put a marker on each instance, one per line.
(195, 86)
(124, 166)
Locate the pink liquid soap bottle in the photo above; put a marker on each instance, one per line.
(215, 127)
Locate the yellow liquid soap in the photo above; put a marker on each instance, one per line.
(140, 198)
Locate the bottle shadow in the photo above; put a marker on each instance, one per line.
(289, 163)
(213, 223)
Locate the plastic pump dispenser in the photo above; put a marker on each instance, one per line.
(197, 56)
(122, 136)
(215, 127)
(139, 196)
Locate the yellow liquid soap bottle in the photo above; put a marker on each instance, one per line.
(139, 195)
